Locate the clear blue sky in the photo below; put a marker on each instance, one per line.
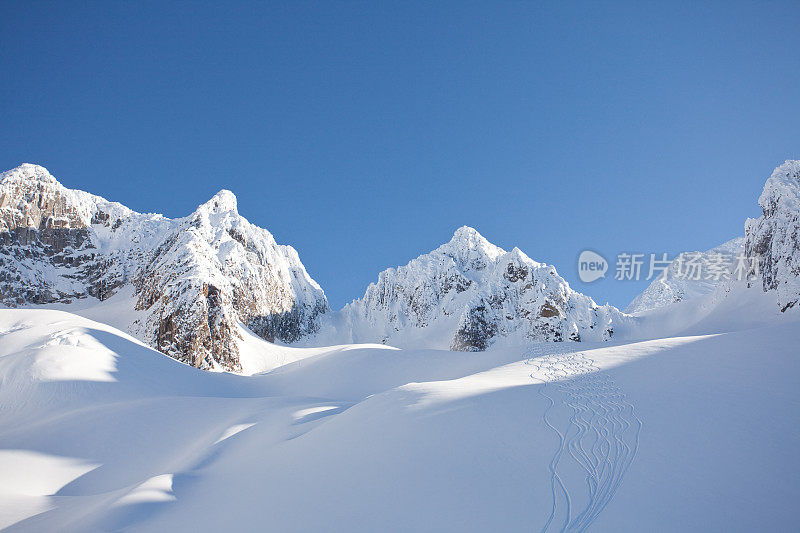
(364, 134)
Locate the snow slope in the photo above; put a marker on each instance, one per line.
(693, 432)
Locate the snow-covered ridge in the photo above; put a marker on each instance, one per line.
(775, 236)
(673, 285)
(29, 193)
(467, 293)
(195, 284)
(195, 279)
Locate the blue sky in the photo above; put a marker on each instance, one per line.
(364, 134)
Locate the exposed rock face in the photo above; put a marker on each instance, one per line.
(215, 269)
(31, 198)
(475, 292)
(775, 236)
(677, 283)
(194, 279)
(46, 253)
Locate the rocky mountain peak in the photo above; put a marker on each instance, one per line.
(31, 198)
(782, 190)
(193, 281)
(467, 234)
(468, 292)
(467, 238)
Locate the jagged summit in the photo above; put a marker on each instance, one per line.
(468, 292)
(468, 236)
(467, 249)
(31, 198)
(782, 189)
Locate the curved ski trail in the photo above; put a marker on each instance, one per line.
(598, 434)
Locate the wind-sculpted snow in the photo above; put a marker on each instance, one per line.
(195, 279)
(469, 292)
(775, 236)
(99, 432)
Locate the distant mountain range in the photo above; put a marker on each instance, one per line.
(191, 287)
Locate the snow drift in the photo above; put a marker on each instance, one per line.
(98, 432)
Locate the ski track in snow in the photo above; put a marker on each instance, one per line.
(600, 438)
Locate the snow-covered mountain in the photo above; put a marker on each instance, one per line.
(775, 236)
(680, 281)
(99, 432)
(192, 287)
(467, 293)
(193, 280)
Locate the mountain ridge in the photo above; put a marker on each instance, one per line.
(473, 292)
(195, 278)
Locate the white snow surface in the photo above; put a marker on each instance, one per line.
(694, 429)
